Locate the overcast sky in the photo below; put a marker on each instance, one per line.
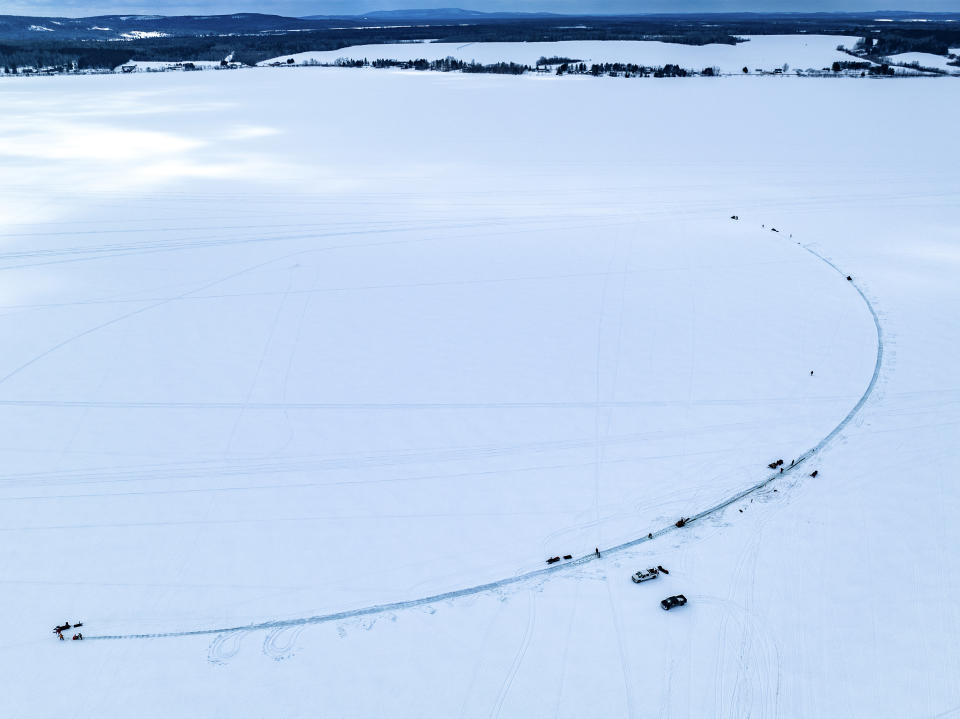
(75, 8)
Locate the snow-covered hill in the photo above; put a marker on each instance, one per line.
(925, 60)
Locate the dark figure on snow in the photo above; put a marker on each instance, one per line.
(814, 473)
(811, 373)
(597, 550)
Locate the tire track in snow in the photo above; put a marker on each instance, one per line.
(625, 667)
(518, 659)
(224, 648)
(547, 571)
(281, 644)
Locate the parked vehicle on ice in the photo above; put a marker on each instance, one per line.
(670, 602)
(645, 575)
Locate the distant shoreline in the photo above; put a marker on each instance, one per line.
(44, 44)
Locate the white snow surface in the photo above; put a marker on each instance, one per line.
(924, 59)
(763, 52)
(280, 345)
(155, 65)
(141, 34)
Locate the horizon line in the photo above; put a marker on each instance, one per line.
(493, 13)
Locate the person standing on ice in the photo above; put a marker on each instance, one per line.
(597, 550)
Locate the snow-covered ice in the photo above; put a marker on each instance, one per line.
(281, 345)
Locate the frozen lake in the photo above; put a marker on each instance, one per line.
(286, 344)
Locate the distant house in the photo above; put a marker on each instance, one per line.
(128, 68)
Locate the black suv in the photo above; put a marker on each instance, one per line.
(671, 602)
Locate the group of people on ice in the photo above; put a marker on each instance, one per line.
(61, 628)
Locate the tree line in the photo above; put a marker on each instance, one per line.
(452, 64)
(63, 59)
(628, 69)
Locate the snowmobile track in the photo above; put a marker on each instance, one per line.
(517, 579)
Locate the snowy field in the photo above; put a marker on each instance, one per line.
(156, 66)
(760, 52)
(281, 348)
(925, 59)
